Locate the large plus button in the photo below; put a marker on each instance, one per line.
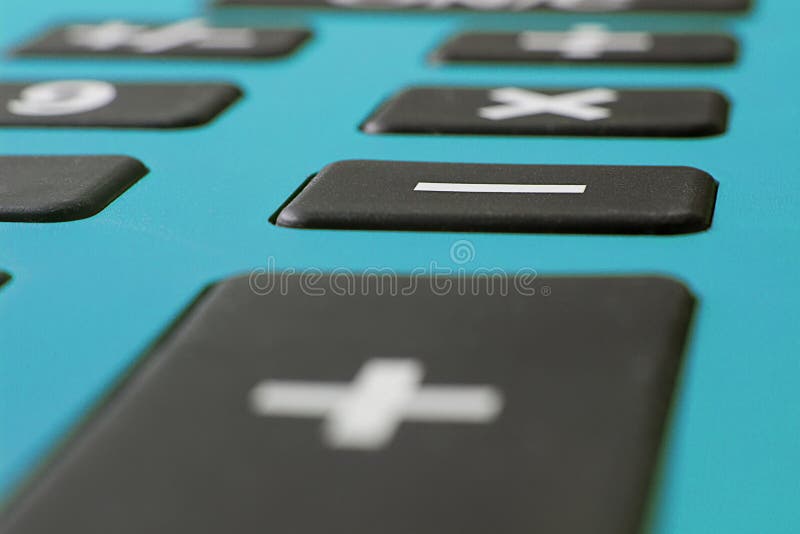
(367, 413)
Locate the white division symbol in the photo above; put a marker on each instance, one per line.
(194, 32)
(64, 97)
(515, 103)
(367, 413)
(585, 41)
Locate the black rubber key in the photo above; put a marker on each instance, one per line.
(587, 43)
(526, 111)
(4, 277)
(509, 5)
(96, 103)
(62, 188)
(393, 195)
(300, 411)
(189, 38)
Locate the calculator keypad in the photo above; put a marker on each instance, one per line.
(284, 403)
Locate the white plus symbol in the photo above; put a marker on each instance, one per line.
(517, 102)
(367, 413)
(585, 41)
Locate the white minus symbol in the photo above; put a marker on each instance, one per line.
(500, 188)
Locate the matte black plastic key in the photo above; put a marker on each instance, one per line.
(63, 188)
(103, 104)
(595, 112)
(587, 43)
(394, 195)
(302, 409)
(184, 39)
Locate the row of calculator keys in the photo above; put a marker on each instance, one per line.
(392, 195)
(506, 5)
(193, 38)
(498, 110)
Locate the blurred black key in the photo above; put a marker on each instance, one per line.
(527, 111)
(4, 277)
(587, 43)
(394, 195)
(62, 188)
(509, 5)
(102, 104)
(300, 411)
(189, 38)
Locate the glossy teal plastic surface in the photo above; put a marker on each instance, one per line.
(87, 297)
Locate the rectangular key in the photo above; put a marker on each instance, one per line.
(63, 188)
(526, 111)
(508, 5)
(188, 38)
(587, 43)
(290, 407)
(103, 104)
(394, 195)
(4, 277)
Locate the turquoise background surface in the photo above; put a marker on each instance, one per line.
(88, 296)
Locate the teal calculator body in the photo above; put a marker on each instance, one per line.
(87, 297)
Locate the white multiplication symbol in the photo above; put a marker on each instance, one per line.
(515, 102)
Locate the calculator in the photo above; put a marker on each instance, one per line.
(393, 266)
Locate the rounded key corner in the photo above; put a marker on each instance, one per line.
(75, 209)
(689, 222)
(712, 128)
(670, 284)
(67, 210)
(197, 117)
(372, 127)
(235, 91)
(136, 167)
(302, 37)
(290, 217)
(703, 177)
(722, 96)
(439, 56)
